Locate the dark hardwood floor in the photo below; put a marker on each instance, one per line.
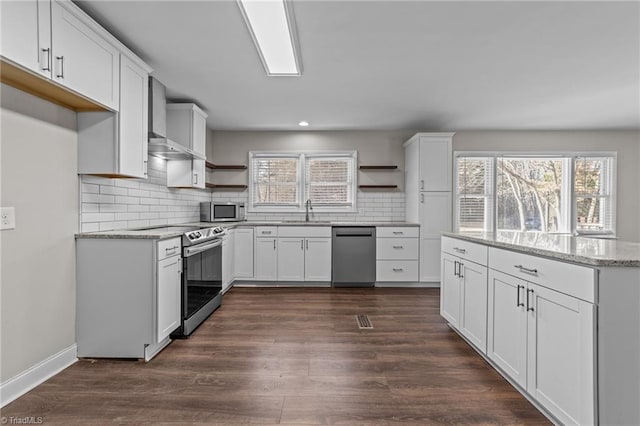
(294, 356)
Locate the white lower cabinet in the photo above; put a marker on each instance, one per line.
(169, 285)
(243, 254)
(304, 259)
(291, 259)
(266, 258)
(540, 338)
(228, 244)
(317, 260)
(544, 341)
(397, 254)
(128, 296)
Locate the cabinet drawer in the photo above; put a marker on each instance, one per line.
(304, 231)
(168, 248)
(398, 231)
(266, 231)
(397, 248)
(397, 270)
(466, 250)
(574, 280)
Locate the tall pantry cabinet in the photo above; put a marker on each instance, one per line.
(428, 186)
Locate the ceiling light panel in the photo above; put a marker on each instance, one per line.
(272, 27)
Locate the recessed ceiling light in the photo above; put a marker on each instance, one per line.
(273, 30)
(303, 123)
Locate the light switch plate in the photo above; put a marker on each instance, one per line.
(7, 218)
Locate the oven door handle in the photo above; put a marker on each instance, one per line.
(190, 251)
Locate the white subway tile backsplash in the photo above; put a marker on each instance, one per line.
(108, 204)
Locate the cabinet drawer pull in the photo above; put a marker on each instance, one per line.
(398, 247)
(61, 59)
(48, 66)
(398, 233)
(526, 270)
(422, 184)
(529, 306)
(398, 269)
(266, 232)
(518, 303)
(167, 250)
(459, 250)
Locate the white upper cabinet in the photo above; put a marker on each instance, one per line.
(82, 59)
(435, 163)
(115, 143)
(186, 125)
(26, 34)
(186, 174)
(58, 41)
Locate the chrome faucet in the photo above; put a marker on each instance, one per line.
(307, 206)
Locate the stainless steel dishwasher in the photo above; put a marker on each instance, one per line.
(353, 256)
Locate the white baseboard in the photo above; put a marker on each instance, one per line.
(22, 383)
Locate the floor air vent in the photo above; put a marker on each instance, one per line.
(363, 322)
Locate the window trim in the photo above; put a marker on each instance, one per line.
(571, 201)
(302, 157)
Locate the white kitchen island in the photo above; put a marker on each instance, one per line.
(557, 315)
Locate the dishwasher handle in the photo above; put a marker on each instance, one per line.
(351, 234)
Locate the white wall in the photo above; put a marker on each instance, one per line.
(374, 148)
(625, 143)
(37, 279)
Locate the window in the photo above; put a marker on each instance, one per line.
(275, 181)
(593, 189)
(545, 193)
(474, 193)
(283, 182)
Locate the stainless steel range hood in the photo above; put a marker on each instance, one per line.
(159, 145)
(169, 150)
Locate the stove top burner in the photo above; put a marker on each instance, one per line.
(201, 235)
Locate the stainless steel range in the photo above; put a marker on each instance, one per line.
(201, 277)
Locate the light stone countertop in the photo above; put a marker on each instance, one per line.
(582, 250)
(171, 231)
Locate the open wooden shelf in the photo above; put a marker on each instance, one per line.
(224, 186)
(378, 167)
(225, 166)
(378, 186)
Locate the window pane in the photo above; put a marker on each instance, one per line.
(275, 180)
(474, 186)
(591, 214)
(328, 180)
(529, 194)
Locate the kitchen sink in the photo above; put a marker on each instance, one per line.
(311, 222)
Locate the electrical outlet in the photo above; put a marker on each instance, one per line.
(7, 218)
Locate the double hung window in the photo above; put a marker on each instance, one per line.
(283, 182)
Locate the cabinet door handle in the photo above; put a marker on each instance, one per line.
(422, 198)
(195, 175)
(422, 184)
(61, 59)
(398, 247)
(518, 303)
(459, 250)
(145, 167)
(529, 306)
(460, 265)
(274, 244)
(526, 270)
(48, 62)
(455, 268)
(301, 244)
(307, 241)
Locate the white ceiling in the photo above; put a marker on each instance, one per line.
(415, 65)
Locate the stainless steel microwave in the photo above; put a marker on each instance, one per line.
(221, 212)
